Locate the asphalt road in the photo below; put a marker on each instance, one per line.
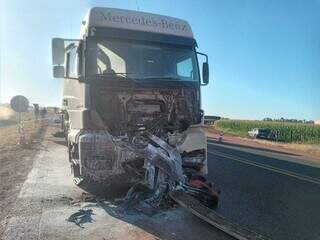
(261, 190)
(266, 190)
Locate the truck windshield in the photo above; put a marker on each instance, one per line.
(141, 61)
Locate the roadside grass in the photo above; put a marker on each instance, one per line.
(310, 149)
(16, 161)
(298, 133)
(9, 117)
(10, 135)
(303, 148)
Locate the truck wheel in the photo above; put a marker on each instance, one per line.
(65, 131)
(75, 168)
(75, 171)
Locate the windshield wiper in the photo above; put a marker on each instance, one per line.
(162, 77)
(117, 74)
(124, 76)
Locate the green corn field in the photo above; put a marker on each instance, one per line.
(286, 132)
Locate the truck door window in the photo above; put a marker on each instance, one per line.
(72, 63)
(185, 68)
(108, 61)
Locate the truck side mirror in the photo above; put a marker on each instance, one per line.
(58, 71)
(57, 51)
(205, 69)
(205, 73)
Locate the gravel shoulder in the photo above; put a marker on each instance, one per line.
(16, 162)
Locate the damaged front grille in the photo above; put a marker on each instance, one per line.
(144, 136)
(125, 112)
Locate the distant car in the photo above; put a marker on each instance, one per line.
(57, 120)
(262, 133)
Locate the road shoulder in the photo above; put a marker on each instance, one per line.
(16, 162)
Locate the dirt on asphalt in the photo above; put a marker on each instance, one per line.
(16, 162)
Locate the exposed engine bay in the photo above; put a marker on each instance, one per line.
(150, 136)
(156, 111)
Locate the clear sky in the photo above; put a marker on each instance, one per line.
(264, 55)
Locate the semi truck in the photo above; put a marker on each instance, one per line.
(132, 110)
(132, 99)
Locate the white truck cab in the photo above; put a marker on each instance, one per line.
(131, 92)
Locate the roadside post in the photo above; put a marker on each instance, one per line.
(20, 104)
(36, 110)
(220, 137)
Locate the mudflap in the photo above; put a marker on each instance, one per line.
(212, 217)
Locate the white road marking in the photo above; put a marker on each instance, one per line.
(261, 152)
(269, 168)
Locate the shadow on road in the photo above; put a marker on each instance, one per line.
(172, 223)
(38, 146)
(81, 217)
(61, 142)
(106, 191)
(59, 138)
(59, 134)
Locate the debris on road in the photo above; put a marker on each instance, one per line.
(81, 217)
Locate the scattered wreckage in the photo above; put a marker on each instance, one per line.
(159, 152)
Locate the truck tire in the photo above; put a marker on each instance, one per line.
(74, 167)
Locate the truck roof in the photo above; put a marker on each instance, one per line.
(136, 21)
